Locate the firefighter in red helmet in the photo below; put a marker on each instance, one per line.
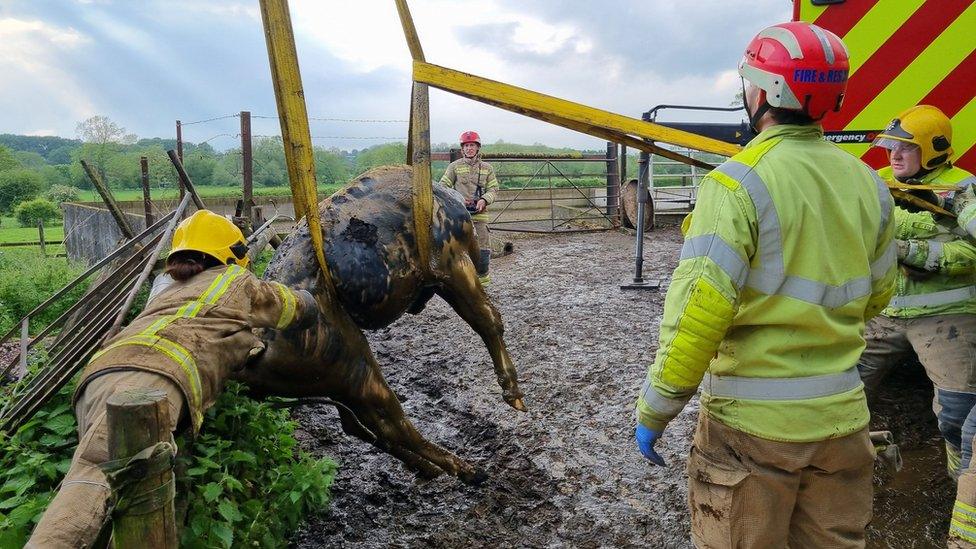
(475, 180)
(787, 254)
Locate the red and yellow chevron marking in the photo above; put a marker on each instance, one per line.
(904, 53)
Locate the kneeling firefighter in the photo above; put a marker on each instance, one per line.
(189, 338)
(932, 315)
(475, 180)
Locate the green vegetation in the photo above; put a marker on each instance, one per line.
(11, 231)
(29, 212)
(27, 279)
(246, 481)
(16, 186)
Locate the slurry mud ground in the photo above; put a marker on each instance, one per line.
(565, 474)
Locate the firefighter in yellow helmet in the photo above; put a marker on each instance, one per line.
(932, 315)
(192, 334)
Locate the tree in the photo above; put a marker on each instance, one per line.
(17, 186)
(40, 209)
(62, 193)
(30, 159)
(330, 167)
(381, 155)
(7, 160)
(102, 139)
(269, 162)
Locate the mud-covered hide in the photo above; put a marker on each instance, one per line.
(371, 248)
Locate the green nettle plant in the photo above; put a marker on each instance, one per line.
(244, 480)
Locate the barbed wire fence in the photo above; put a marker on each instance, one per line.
(220, 133)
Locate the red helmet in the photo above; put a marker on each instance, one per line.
(470, 136)
(800, 66)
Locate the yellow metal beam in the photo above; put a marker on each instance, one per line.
(293, 116)
(423, 191)
(559, 111)
(409, 31)
(418, 144)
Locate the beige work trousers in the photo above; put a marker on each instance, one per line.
(77, 512)
(481, 233)
(749, 492)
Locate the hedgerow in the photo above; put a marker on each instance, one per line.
(246, 481)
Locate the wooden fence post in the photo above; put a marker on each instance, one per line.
(138, 419)
(40, 236)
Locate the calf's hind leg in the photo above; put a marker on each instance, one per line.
(467, 297)
(373, 413)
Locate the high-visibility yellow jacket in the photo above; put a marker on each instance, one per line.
(473, 178)
(940, 254)
(787, 254)
(198, 331)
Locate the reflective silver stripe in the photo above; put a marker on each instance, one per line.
(935, 298)
(811, 291)
(770, 239)
(660, 403)
(785, 37)
(822, 37)
(771, 279)
(935, 252)
(884, 197)
(971, 180)
(881, 265)
(969, 211)
(792, 388)
(718, 250)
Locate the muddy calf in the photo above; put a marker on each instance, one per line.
(370, 246)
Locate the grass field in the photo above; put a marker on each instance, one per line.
(11, 231)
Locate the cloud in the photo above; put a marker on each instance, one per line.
(146, 64)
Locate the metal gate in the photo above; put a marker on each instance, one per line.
(563, 193)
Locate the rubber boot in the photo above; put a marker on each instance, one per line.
(483, 267)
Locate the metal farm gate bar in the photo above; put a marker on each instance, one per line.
(562, 193)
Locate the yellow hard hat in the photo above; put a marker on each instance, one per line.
(925, 126)
(212, 234)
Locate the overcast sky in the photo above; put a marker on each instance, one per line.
(146, 63)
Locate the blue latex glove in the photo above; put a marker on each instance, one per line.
(645, 443)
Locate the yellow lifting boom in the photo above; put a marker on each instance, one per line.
(293, 116)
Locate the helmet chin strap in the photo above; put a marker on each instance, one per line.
(754, 117)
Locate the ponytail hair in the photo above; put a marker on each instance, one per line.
(186, 264)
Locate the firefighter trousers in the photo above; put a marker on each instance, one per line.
(80, 508)
(749, 492)
(946, 347)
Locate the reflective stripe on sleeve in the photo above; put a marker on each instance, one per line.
(944, 297)
(881, 265)
(661, 404)
(794, 388)
(884, 198)
(770, 239)
(971, 226)
(720, 252)
(935, 252)
(287, 306)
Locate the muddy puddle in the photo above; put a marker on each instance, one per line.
(565, 474)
